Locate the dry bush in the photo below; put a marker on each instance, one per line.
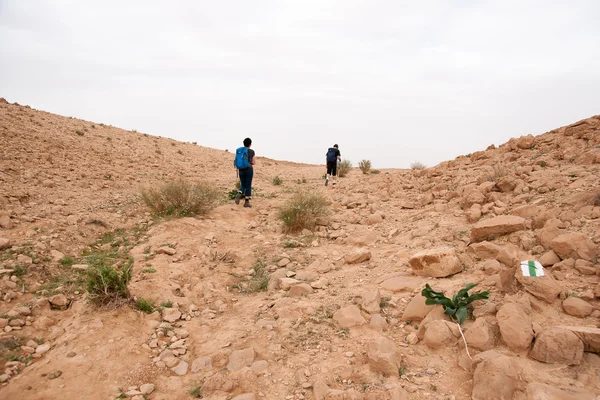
(417, 166)
(365, 166)
(302, 211)
(107, 285)
(181, 198)
(343, 168)
(493, 174)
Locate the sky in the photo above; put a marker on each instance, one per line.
(393, 82)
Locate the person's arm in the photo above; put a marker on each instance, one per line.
(253, 160)
(339, 157)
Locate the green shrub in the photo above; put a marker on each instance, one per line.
(66, 261)
(277, 181)
(105, 284)
(343, 168)
(455, 308)
(145, 305)
(181, 198)
(167, 304)
(303, 210)
(259, 282)
(375, 171)
(365, 166)
(417, 166)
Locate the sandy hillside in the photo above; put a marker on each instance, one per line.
(341, 316)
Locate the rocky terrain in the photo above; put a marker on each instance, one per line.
(243, 311)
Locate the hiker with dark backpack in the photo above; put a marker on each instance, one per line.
(245, 158)
(332, 157)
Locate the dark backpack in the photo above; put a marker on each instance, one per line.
(241, 158)
(332, 154)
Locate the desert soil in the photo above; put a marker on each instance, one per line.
(342, 316)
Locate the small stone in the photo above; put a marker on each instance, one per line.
(54, 375)
(4, 378)
(166, 250)
(147, 388)
(59, 301)
(44, 348)
(171, 314)
(181, 368)
(71, 354)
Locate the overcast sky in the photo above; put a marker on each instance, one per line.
(390, 81)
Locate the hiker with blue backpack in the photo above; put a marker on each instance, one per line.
(332, 157)
(245, 158)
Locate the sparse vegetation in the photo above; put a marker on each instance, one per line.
(303, 210)
(145, 305)
(80, 133)
(596, 200)
(181, 198)
(106, 284)
(148, 271)
(260, 279)
(66, 262)
(417, 165)
(343, 168)
(277, 181)
(375, 171)
(365, 166)
(196, 391)
(167, 304)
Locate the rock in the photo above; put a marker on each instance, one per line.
(416, 309)
(275, 280)
(283, 262)
(6, 222)
(491, 267)
(495, 377)
(16, 322)
(322, 266)
(384, 356)
(412, 338)
(349, 316)
(374, 219)
(287, 283)
(576, 307)
(4, 378)
(201, 364)
(541, 391)
(80, 267)
(320, 389)
(378, 323)
(59, 301)
(434, 315)
(515, 326)
(43, 348)
(542, 287)
(558, 346)
(181, 368)
(259, 366)
(57, 255)
(3, 322)
(4, 243)
(302, 289)
(245, 396)
(436, 263)
(496, 226)
(171, 314)
(240, 359)
(471, 197)
(54, 375)
(371, 300)
(166, 250)
(549, 258)
(43, 322)
(439, 334)
(357, 256)
(585, 267)
(23, 310)
(588, 335)
(480, 336)
(574, 245)
(401, 284)
(147, 388)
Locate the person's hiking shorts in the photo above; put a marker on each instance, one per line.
(332, 168)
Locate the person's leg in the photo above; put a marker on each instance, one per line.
(334, 172)
(243, 185)
(328, 173)
(248, 186)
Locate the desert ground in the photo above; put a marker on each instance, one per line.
(241, 310)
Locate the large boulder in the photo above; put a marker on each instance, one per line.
(357, 256)
(371, 301)
(588, 335)
(541, 391)
(543, 287)
(515, 326)
(574, 245)
(480, 336)
(495, 377)
(558, 346)
(384, 356)
(349, 316)
(416, 309)
(435, 263)
(576, 307)
(496, 226)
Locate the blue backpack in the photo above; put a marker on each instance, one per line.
(241, 158)
(331, 155)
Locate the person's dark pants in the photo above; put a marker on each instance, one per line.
(246, 175)
(332, 168)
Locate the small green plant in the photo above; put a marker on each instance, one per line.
(401, 371)
(106, 284)
(365, 166)
(167, 304)
(303, 210)
(148, 271)
(384, 302)
(19, 270)
(66, 261)
(455, 308)
(260, 279)
(375, 171)
(277, 181)
(343, 168)
(80, 133)
(196, 391)
(290, 245)
(232, 193)
(419, 165)
(39, 341)
(145, 305)
(181, 198)
(543, 164)
(433, 388)
(108, 138)
(194, 143)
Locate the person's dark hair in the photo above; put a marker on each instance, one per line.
(247, 142)
(335, 145)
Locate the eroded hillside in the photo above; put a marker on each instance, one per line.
(341, 317)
